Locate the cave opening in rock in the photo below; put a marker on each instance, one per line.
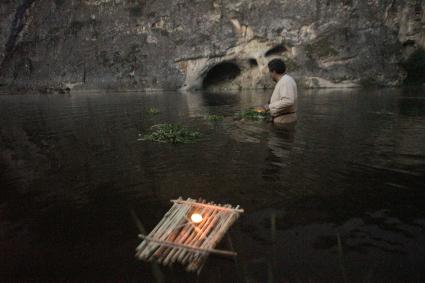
(222, 72)
(409, 42)
(277, 50)
(415, 68)
(252, 62)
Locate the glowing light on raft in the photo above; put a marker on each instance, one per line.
(196, 218)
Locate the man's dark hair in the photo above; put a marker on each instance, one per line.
(277, 65)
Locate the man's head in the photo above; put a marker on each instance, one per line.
(277, 69)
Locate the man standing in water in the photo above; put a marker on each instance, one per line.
(283, 103)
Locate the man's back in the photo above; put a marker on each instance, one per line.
(284, 98)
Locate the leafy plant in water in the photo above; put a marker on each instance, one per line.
(170, 133)
(153, 111)
(253, 115)
(215, 118)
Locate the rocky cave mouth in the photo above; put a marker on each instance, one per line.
(253, 62)
(220, 73)
(276, 50)
(415, 68)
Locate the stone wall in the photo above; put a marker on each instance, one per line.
(215, 44)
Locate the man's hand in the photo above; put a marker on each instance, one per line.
(262, 109)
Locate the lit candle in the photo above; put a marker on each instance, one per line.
(196, 218)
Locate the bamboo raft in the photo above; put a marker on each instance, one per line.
(179, 238)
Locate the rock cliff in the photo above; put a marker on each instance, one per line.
(212, 44)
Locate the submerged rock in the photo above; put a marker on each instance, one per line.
(209, 44)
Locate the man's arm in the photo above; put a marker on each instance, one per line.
(286, 101)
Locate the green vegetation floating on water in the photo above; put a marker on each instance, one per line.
(170, 133)
(253, 115)
(153, 111)
(215, 118)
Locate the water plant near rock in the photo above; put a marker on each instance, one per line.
(153, 111)
(253, 115)
(171, 133)
(215, 118)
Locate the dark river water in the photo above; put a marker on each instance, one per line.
(340, 197)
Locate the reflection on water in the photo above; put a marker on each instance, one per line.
(352, 168)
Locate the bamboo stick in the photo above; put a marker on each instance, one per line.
(176, 238)
(172, 224)
(208, 205)
(205, 212)
(213, 239)
(194, 240)
(163, 232)
(209, 226)
(198, 263)
(170, 244)
(164, 252)
(196, 256)
(209, 216)
(171, 212)
(198, 260)
(168, 253)
(185, 233)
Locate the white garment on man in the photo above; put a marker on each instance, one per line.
(283, 103)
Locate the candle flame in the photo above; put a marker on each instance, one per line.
(196, 218)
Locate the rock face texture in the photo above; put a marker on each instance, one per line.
(211, 44)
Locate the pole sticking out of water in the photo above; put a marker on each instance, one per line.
(156, 271)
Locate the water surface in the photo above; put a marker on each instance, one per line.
(340, 196)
